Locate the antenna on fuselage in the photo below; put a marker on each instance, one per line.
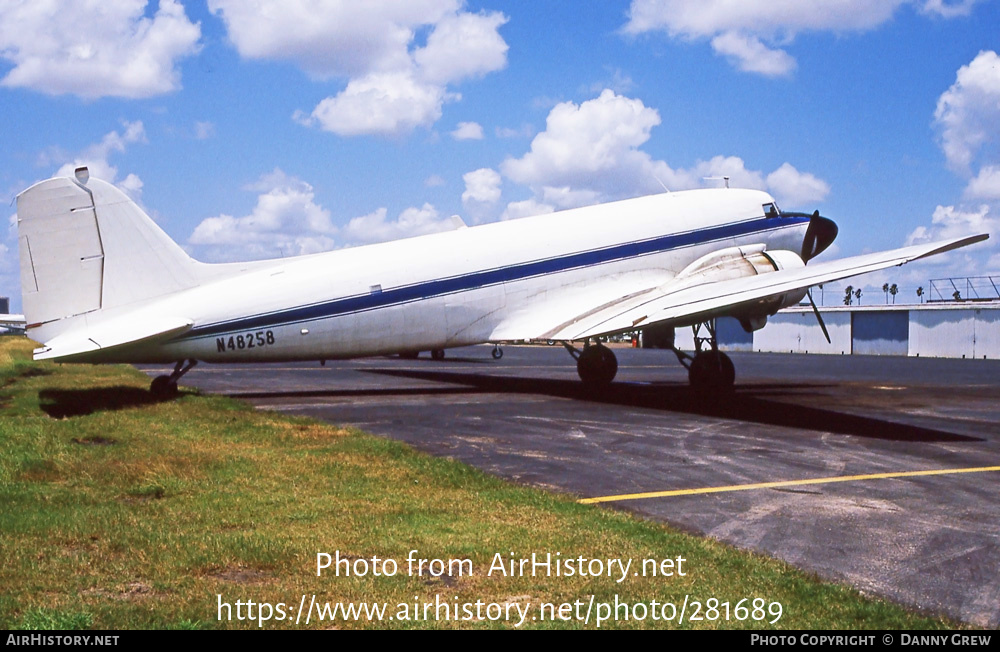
(661, 183)
(726, 179)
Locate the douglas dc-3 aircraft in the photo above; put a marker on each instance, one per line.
(102, 283)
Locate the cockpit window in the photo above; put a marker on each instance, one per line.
(771, 210)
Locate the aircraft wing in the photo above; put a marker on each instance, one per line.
(689, 304)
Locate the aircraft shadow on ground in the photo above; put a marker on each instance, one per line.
(356, 393)
(65, 403)
(749, 403)
(449, 360)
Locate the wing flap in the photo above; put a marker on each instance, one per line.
(550, 311)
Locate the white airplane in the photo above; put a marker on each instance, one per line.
(102, 283)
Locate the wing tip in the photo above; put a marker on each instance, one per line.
(951, 245)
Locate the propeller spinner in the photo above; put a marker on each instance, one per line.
(819, 235)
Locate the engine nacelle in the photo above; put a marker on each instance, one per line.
(740, 262)
(783, 259)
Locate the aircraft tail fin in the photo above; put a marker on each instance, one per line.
(85, 247)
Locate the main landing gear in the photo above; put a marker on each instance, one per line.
(596, 363)
(710, 370)
(166, 386)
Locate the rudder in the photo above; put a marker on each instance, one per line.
(85, 246)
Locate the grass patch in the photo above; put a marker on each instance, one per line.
(119, 511)
(56, 620)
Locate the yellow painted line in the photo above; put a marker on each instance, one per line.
(784, 483)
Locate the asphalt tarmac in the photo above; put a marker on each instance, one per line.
(846, 443)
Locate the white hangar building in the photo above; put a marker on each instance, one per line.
(938, 330)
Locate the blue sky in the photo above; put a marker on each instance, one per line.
(255, 130)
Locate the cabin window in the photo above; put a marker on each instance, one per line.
(771, 210)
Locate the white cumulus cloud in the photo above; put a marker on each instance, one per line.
(526, 208)
(97, 158)
(330, 38)
(286, 221)
(752, 33)
(594, 145)
(951, 222)
(750, 55)
(985, 185)
(96, 48)
(967, 116)
(481, 185)
(468, 131)
(796, 189)
(394, 83)
(969, 111)
(374, 227)
(380, 103)
(591, 153)
(710, 17)
(463, 45)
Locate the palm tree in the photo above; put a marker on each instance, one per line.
(893, 290)
(857, 294)
(920, 293)
(848, 292)
(885, 290)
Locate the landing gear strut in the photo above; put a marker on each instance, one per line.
(709, 370)
(166, 386)
(596, 363)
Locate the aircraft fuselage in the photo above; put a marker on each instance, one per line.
(460, 287)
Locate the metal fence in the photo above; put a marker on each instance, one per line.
(969, 288)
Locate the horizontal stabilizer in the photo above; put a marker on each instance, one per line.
(79, 345)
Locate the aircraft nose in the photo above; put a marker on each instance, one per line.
(819, 235)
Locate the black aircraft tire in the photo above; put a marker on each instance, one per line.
(597, 365)
(161, 387)
(712, 371)
(437, 354)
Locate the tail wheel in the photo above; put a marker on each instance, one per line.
(437, 354)
(163, 387)
(712, 371)
(597, 365)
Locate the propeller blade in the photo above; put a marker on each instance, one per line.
(819, 317)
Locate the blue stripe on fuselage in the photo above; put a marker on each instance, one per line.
(485, 278)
